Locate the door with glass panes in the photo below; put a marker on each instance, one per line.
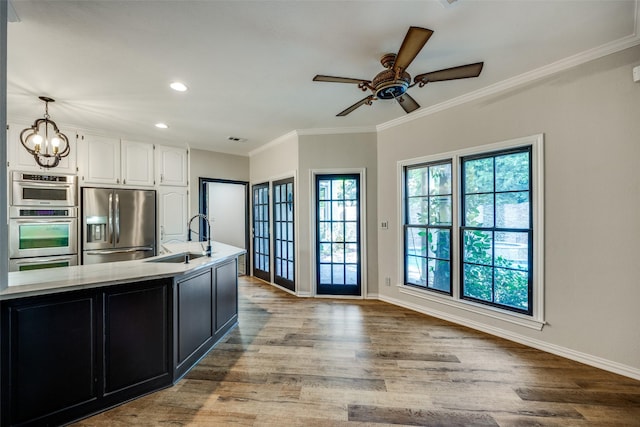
(261, 252)
(338, 259)
(283, 234)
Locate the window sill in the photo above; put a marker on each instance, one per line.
(494, 313)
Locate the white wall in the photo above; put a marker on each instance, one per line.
(209, 164)
(590, 116)
(278, 160)
(343, 151)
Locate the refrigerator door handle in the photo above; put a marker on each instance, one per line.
(118, 251)
(110, 220)
(117, 218)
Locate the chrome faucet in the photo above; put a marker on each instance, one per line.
(208, 251)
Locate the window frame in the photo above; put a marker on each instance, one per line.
(426, 227)
(494, 229)
(534, 320)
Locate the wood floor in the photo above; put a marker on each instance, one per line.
(317, 362)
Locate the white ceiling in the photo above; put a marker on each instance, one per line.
(249, 64)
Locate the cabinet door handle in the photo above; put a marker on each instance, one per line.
(161, 177)
(124, 181)
(162, 232)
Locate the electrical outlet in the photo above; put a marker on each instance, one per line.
(384, 225)
(387, 281)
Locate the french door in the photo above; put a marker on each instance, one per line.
(261, 253)
(283, 234)
(338, 258)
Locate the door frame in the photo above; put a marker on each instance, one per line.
(203, 203)
(290, 286)
(313, 233)
(264, 277)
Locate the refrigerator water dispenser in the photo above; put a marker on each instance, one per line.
(96, 231)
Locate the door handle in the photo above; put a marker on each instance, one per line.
(119, 251)
(117, 218)
(110, 220)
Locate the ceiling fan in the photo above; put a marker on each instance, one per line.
(394, 81)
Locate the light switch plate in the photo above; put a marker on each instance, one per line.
(636, 74)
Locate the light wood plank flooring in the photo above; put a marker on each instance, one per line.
(319, 362)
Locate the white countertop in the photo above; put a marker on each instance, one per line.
(63, 279)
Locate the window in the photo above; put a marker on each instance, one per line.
(473, 229)
(428, 223)
(496, 229)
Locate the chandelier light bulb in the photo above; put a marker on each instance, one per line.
(37, 139)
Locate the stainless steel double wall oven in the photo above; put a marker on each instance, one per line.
(43, 221)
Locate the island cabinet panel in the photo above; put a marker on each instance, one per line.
(49, 357)
(194, 310)
(136, 347)
(226, 279)
(67, 355)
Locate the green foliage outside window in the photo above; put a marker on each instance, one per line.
(496, 231)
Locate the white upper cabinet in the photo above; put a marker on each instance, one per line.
(172, 166)
(136, 163)
(172, 214)
(19, 159)
(112, 162)
(100, 160)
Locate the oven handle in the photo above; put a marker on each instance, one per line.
(44, 221)
(110, 220)
(40, 260)
(39, 185)
(119, 251)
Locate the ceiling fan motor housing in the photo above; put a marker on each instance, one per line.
(388, 87)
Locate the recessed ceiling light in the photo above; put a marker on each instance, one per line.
(162, 125)
(178, 86)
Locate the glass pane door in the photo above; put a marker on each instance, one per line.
(338, 234)
(283, 231)
(261, 260)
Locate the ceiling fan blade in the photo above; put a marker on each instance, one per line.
(333, 79)
(411, 45)
(368, 100)
(407, 103)
(453, 73)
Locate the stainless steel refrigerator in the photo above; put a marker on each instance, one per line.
(117, 224)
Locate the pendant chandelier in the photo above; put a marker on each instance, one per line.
(44, 141)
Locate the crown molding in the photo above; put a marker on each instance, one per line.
(528, 77)
(331, 131)
(279, 140)
(317, 131)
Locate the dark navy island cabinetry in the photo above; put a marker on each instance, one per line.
(67, 355)
(206, 308)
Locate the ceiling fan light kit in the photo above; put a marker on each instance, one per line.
(394, 81)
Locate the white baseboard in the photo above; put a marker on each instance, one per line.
(587, 359)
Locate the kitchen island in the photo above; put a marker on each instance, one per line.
(78, 340)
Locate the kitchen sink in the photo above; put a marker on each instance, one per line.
(178, 258)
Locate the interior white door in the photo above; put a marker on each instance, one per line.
(227, 212)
